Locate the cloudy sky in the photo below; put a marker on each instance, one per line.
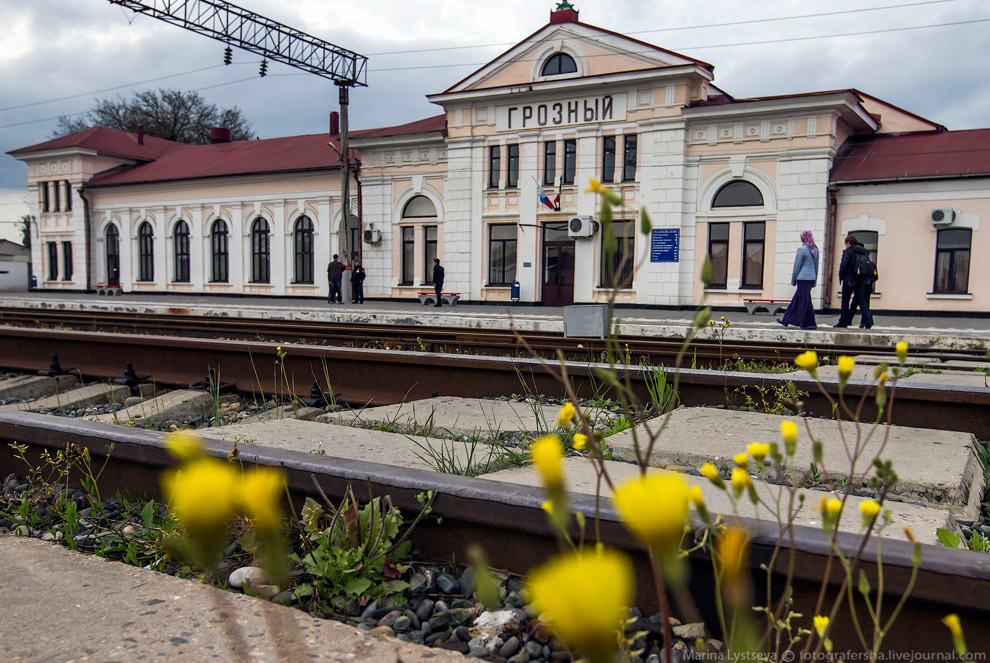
(58, 56)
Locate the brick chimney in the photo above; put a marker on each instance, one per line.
(140, 134)
(564, 13)
(334, 123)
(219, 135)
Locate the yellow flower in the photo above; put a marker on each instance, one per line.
(732, 552)
(655, 508)
(883, 378)
(261, 495)
(833, 507)
(547, 506)
(869, 510)
(740, 481)
(203, 495)
(709, 471)
(821, 623)
(185, 445)
(902, 349)
(909, 534)
(594, 186)
(789, 431)
(955, 628)
(583, 596)
(580, 441)
(547, 456)
(567, 416)
(758, 451)
(741, 459)
(808, 360)
(845, 368)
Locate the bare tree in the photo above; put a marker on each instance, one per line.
(25, 224)
(185, 117)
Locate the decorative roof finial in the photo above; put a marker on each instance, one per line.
(563, 4)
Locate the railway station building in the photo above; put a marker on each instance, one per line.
(494, 185)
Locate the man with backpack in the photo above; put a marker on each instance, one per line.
(858, 274)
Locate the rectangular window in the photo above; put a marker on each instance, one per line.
(43, 192)
(494, 166)
(66, 261)
(68, 196)
(52, 261)
(753, 242)
(512, 176)
(608, 159)
(952, 253)
(570, 160)
(501, 254)
(408, 255)
(550, 162)
(617, 265)
(57, 198)
(629, 159)
(718, 251)
(429, 253)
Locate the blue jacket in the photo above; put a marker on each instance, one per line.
(805, 265)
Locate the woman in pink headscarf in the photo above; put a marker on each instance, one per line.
(801, 312)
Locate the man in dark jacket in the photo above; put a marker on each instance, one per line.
(437, 281)
(335, 272)
(357, 282)
(859, 287)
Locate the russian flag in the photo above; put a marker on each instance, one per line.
(544, 200)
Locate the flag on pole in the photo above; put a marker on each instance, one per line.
(545, 200)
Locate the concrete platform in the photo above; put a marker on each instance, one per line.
(61, 606)
(91, 394)
(937, 468)
(23, 387)
(580, 475)
(932, 373)
(172, 405)
(344, 442)
(447, 416)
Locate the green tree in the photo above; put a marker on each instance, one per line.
(185, 117)
(25, 224)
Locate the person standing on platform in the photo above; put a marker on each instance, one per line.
(801, 312)
(438, 281)
(357, 282)
(858, 288)
(335, 272)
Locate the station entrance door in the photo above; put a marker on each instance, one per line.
(558, 265)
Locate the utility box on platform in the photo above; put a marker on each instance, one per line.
(586, 321)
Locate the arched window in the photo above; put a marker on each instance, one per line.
(260, 251)
(419, 207)
(113, 255)
(218, 251)
(738, 193)
(559, 63)
(303, 241)
(146, 252)
(180, 240)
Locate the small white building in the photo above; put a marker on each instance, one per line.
(14, 263)
(494, 186)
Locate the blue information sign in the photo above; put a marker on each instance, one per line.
(665, 245)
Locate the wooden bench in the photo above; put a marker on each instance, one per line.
(449, 298)
(109, 290)
(772, 306)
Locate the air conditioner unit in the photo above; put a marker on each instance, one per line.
(372, 236)
(581, 226)
(943, 216)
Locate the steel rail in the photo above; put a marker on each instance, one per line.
(381, 377)
(508, 521)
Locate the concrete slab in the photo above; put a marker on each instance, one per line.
(91, 394)
(34, 386)
(954, 378)
(581, 479)
(171, 405)
(348, 442)
(284, 412)
(968, 365)
(64, 606)
(860, 372)
(937, 468)
(873, 360)
(450, 416)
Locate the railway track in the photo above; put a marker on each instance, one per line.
(702, 352)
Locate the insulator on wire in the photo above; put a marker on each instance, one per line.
(228, 55)
(264, 68)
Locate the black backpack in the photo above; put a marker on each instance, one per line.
(865, 270)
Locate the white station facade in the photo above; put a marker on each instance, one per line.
(494, 186)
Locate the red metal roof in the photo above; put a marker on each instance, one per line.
(111, 142)
(435, 123)
(926, 155)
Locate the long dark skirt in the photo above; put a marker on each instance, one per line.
(801, 312)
